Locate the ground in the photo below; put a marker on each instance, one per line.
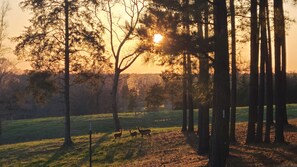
(38, 142)
(174, 148)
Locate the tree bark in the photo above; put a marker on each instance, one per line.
(67, 137)
(221, 98)
(234, 74)
(253, 103)
(269, 82)
(185, 108)
(264, 53)
(284, 69)
(203, 124)
(203, 119)
(279, 76)
(114, 99)
(190, 96)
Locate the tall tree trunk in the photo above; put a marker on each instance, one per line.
(234, 74)
(203, 124)
(253, 103)
(203, 119)
(67, 137)
(284, 69)
(264, 53)
(221, 98)
(269, 82)
(189, 72)
(190, 96)
(114, 104)
(185, 106)
(279, 52)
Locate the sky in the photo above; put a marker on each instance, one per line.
(17, 19)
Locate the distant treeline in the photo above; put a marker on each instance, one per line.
(27, 97)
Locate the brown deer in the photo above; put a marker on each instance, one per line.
(144, 132)
(133, 134)
(118, 135)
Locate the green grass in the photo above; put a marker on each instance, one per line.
(37, 142)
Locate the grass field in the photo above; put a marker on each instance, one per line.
(37, 142)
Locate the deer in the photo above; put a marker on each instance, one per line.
(133, 134)
(144, 132)
(118, 135)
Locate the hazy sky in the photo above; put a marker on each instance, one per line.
(17, 19)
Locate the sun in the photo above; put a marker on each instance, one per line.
(157, 38)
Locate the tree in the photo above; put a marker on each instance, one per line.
(269, 80)
(233, 73)
(188, 64)
(123, 31)
(155, 97)
(7, 79)
(221, 97)
(61, 32)
(253, 103)
(172, 81)
(280, 70)
(204, 101)
(132, 99)
(41, 86)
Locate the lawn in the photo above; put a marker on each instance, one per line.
(37, 142)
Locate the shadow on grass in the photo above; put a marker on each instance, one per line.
(58, 154)
(97, 143)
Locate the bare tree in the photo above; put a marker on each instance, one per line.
(124, 43)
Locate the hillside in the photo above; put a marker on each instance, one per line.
(37, 142)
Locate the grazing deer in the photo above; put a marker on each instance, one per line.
(118, 135)
(144, 132)
(133, 134)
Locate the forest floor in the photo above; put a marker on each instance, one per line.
(174, 148)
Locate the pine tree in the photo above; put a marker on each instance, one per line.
(59, 33)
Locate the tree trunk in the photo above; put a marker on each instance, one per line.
(203, 119)
(114, 104)
(234, 74)
(203, 124)
(221, 98)
(279, 77)
(67, 137)
(185, 108)
(264, 53)
(269, 82)
(190, 96)
(253, 103)
(284, 69)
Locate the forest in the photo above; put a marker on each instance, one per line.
(215, 106)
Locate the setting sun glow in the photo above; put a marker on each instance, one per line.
(158, 38)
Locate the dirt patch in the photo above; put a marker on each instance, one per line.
(174, 148)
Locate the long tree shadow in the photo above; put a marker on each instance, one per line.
(58, 154)
(74, 149)
(97, 144)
